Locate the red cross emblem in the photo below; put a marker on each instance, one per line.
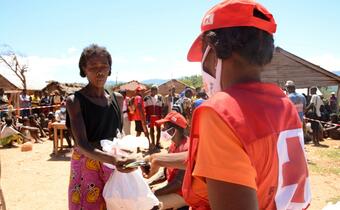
(295, 170)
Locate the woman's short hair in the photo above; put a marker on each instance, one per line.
(90, 51)
(254, 45)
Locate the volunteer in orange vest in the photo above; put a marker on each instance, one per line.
(246, 142)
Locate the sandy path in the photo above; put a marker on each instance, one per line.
(35, 181)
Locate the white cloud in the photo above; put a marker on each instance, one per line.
(328, 61)
(119, 60)
(42, 69)
(148, 59)
(65, 69)
(166, 70)
(72, 50)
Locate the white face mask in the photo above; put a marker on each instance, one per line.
(166, 136)
(210, 83)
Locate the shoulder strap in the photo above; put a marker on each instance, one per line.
(117, 109)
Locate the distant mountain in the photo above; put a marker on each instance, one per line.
(154, 81)
(147, 82)
(113, 83)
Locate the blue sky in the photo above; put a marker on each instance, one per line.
(147, 39)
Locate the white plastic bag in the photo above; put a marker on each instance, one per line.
(331, 206)
(129, 192)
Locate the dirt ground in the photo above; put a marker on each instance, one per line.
(36, 180)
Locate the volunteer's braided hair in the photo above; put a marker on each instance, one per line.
(88, 52)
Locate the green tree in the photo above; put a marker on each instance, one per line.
(193, 81)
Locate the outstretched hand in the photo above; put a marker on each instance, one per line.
(122, 161)
(153, 167)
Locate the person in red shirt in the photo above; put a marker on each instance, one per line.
(138, 110)
(246, 141)
(170, 195)
(153, 108)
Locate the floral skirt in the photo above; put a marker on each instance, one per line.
(87, 180)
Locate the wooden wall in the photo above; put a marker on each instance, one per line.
(303, 73)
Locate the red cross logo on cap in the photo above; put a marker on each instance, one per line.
(208, 20)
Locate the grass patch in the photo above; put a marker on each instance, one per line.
(326, 160)
(331, 153)
(324, 169)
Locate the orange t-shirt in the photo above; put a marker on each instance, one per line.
(221, 156)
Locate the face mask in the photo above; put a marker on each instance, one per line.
(166, 136)
(63, 109)
(210, 83)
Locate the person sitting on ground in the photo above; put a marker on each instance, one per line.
(43, 122)
(9, 134)
(30, 132)
(174, 130)
(34, 123)
(332, 129)
(325, 114)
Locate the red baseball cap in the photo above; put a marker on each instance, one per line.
(175, 118)
(232, 13)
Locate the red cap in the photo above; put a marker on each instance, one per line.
(175, 118)
(231, 13)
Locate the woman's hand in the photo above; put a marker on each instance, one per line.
(122, 161)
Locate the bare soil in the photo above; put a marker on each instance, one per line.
(37, 180)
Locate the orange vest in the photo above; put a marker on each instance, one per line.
(258, 112)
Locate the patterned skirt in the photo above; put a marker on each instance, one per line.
(87, 180)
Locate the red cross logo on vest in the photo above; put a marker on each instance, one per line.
(295, 171)
(293, 187)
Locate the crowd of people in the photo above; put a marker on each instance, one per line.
(145, 111)
(32, 122)
(318, 114)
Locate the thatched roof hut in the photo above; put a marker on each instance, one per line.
(164, 88)
(62, 88)
(7, 85)
(130, 87)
